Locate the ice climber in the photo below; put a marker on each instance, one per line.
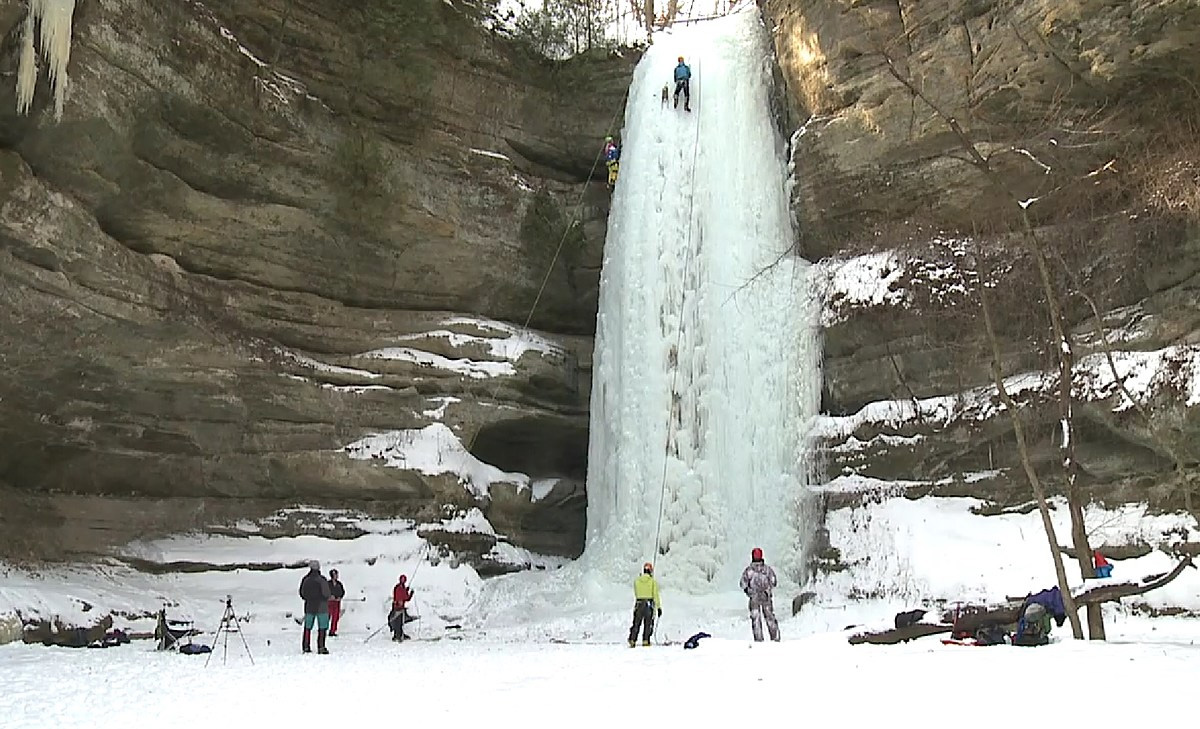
(683, 82)
(336, 592)
(399, 616)
(758, 582)
(612, 156)
(315, 591)
(646, 605)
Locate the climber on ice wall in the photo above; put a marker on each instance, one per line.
(612, 156)
(683, 82)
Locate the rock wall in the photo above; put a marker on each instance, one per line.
(244, 199)
(1073, 108)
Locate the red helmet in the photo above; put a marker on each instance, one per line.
(648, 568)
(403, 579)
(756, 554)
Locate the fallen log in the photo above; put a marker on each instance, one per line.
(899, 635)
(1115, 552)
(968, 622)
(1113, 593)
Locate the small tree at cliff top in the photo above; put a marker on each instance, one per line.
(563, 28)
(48, 22)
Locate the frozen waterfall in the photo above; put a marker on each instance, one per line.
(706, 371)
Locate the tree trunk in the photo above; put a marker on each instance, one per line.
(899, 635)
(1065, 360)
(1066, 368)
(1060, 571)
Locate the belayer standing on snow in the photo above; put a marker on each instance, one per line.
(758, 582)
(398, 616)
(646, 604)
(336, 592)
(612, 155)
(315, 591)
(683, 82)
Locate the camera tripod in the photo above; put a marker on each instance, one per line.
(229, 624)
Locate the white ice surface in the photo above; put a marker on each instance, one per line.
(706, 368)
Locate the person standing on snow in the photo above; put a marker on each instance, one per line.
(758, 582)
(400, 597)
(336, 593)
(646, 604)
(683, 82)
(612, 155)
(315, 591)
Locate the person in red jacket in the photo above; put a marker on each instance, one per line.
(400, 597)
(1101, 565)
(337, 592)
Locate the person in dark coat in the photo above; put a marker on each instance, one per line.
(314, 589)
(337, 592)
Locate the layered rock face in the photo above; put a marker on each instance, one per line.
(933, 139)
(265, 230)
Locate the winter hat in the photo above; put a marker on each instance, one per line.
(314, 565)
(403, 579)
(756, 555)
(648, 568)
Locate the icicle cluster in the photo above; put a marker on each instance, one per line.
(53, 19)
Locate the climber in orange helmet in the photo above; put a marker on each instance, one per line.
(683, 82)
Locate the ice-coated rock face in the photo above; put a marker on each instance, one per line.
(706, 373)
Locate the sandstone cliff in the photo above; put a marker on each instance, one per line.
(265, 230)
(1081, 111)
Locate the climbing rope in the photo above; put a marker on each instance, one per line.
(574, 221)
(678, 334)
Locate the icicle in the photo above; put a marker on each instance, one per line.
(27, 70)
(53, 18)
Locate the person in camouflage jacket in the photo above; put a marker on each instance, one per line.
(758, 582)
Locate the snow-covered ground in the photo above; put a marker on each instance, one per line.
(490, 651)
(1144, 674)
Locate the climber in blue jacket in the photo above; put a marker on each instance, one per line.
(683, 82)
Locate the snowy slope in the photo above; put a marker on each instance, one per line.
(707, 364)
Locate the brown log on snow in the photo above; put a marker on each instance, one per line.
(1112, 593)
(1115, 552)
(899, 635)
(971, 622)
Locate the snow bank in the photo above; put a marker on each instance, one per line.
(433, 450)
(369, 561)
(470, 522)
(462, 366)
(1145, 374)
(910, 551)
(508, 345)
(863, 281)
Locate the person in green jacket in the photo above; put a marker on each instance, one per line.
(646, 605)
